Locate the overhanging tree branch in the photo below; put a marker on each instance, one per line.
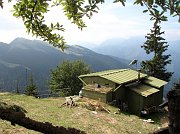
(75, 11)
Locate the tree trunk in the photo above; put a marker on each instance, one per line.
(174, 111)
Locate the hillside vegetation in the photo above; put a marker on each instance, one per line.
(49, 110)
(22, 57)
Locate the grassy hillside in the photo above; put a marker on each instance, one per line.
(48, 110)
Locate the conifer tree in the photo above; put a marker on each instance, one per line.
(31, 88)
(156, 45)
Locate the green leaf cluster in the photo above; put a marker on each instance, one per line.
(1, 3)
(32, 13)
(121, 1)
(65, 76)
(173, 6)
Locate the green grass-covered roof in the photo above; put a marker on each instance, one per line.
(123, 76)
(119, 76)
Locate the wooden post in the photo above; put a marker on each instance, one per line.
(174, 111)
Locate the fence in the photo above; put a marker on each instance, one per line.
(48, 93)
(41, 93)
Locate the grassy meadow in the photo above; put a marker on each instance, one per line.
(50, 110)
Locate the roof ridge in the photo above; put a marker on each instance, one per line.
(118, 70)
(120, 76)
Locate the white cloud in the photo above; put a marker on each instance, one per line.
(11, 27)
(112, 21)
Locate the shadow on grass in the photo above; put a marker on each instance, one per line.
(16, 115)
(126, 113)
(157, 117)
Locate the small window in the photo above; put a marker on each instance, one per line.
(107, 84)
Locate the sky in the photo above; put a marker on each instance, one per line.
(112, 21)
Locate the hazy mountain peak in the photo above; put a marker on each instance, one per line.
(85, 44)
(20, 40)
(81, 48)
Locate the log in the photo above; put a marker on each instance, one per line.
(19, 117)
(106, 110)
(165, 103)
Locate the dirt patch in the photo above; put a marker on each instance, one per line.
(164, 121)
(14, 131)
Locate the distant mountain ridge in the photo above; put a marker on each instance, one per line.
(22, 57)
(130, 49)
